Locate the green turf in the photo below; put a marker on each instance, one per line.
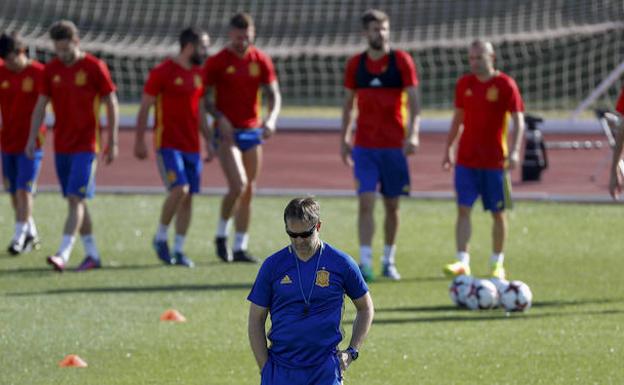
(570, 255)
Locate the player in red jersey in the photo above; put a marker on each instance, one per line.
(76, 83)
(484, 99)
(175, 87)
(615, 181)
(20, 78)
(235, 76)
(384, 82)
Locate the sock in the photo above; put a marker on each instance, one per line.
(32, 229)
(463, 257)
(497, 258)
(240, 241)
(223, 227)
(88, 241)
(366, 255)
(178, 245)
(388, 255)
(161, 233)
(20, 232)
(67, 244)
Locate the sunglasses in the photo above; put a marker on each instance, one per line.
(304, 234)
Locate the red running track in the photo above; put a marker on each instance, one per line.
(309, 161)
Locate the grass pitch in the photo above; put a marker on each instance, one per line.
(570, 255)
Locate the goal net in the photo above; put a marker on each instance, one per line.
(557, 50)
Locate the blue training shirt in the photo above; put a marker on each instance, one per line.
(301, 338)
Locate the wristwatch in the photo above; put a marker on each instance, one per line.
(353, 352)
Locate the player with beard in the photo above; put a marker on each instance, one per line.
(175, 87)
(384, 82)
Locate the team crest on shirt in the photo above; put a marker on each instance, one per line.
(27, 84)
(198, 81)
(81, 78)
(492, 94)
(230, 70)
(5, 84)
(178, 81)
(286, 280)
(56, 79)
(254, 70)
(468, 92)
(322, 278)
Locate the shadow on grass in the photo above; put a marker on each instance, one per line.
(382, 280)
(137, 289)
(493, 315)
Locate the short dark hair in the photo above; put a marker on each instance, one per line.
(9, 43)
(371, 15)
(190, 35)
(304, 209)
(241, 20)
(63, 30)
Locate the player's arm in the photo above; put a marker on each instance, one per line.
(112, 118)
(517, 119)
(206, 131)
(36, 119)
(458, 118)
(346, 131)
(615, 181)
(361, 325)
(140, 148)
(274, 104)
(223, 124)
(257, 333)
(413, 123)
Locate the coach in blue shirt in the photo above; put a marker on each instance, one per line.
(303, 287)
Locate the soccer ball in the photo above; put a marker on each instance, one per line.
(459, 289)
(482, 295)
(516, 297)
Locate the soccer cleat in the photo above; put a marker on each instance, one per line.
(367, 273)
(183, 260)
(456, 268)
(222, 250)
(498, 271)
(31, 242)
(390, 271)
(15, 248)
(57, 262)
(244, 256)
(162, 251)
(89, 263)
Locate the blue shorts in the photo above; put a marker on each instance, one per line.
(493, 186)
(328, 373)
(245, 138)
(19, 172)
(384, 166)
(76, 173)
(179, 168)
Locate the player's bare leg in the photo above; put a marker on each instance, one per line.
(252, 162)
(231, 161)
(92, 255)
(391, 227)
(24, 238)
(366, 229)
(463, 231)
(169, 209)
(499, 233)
(182, 224)
(73, 223)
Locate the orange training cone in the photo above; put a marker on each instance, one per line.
(172, 315)
(72, 361)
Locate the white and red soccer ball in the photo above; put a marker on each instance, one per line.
(483, 295)
(516, 296)
(459, 289)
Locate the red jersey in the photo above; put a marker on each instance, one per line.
(620, 103)
(75, 93)
(237, 83)
(381, 98)
(18, 96)
(486, 105)
(177, 91)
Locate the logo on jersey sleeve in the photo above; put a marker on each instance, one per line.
(492, 94)
(254, 70)
(178, 81)
(81, 78)
(230, 70)
(286, 280)
(322, 278)
(198, 81)
(56, 79)
(28, 84)
(468, 92)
